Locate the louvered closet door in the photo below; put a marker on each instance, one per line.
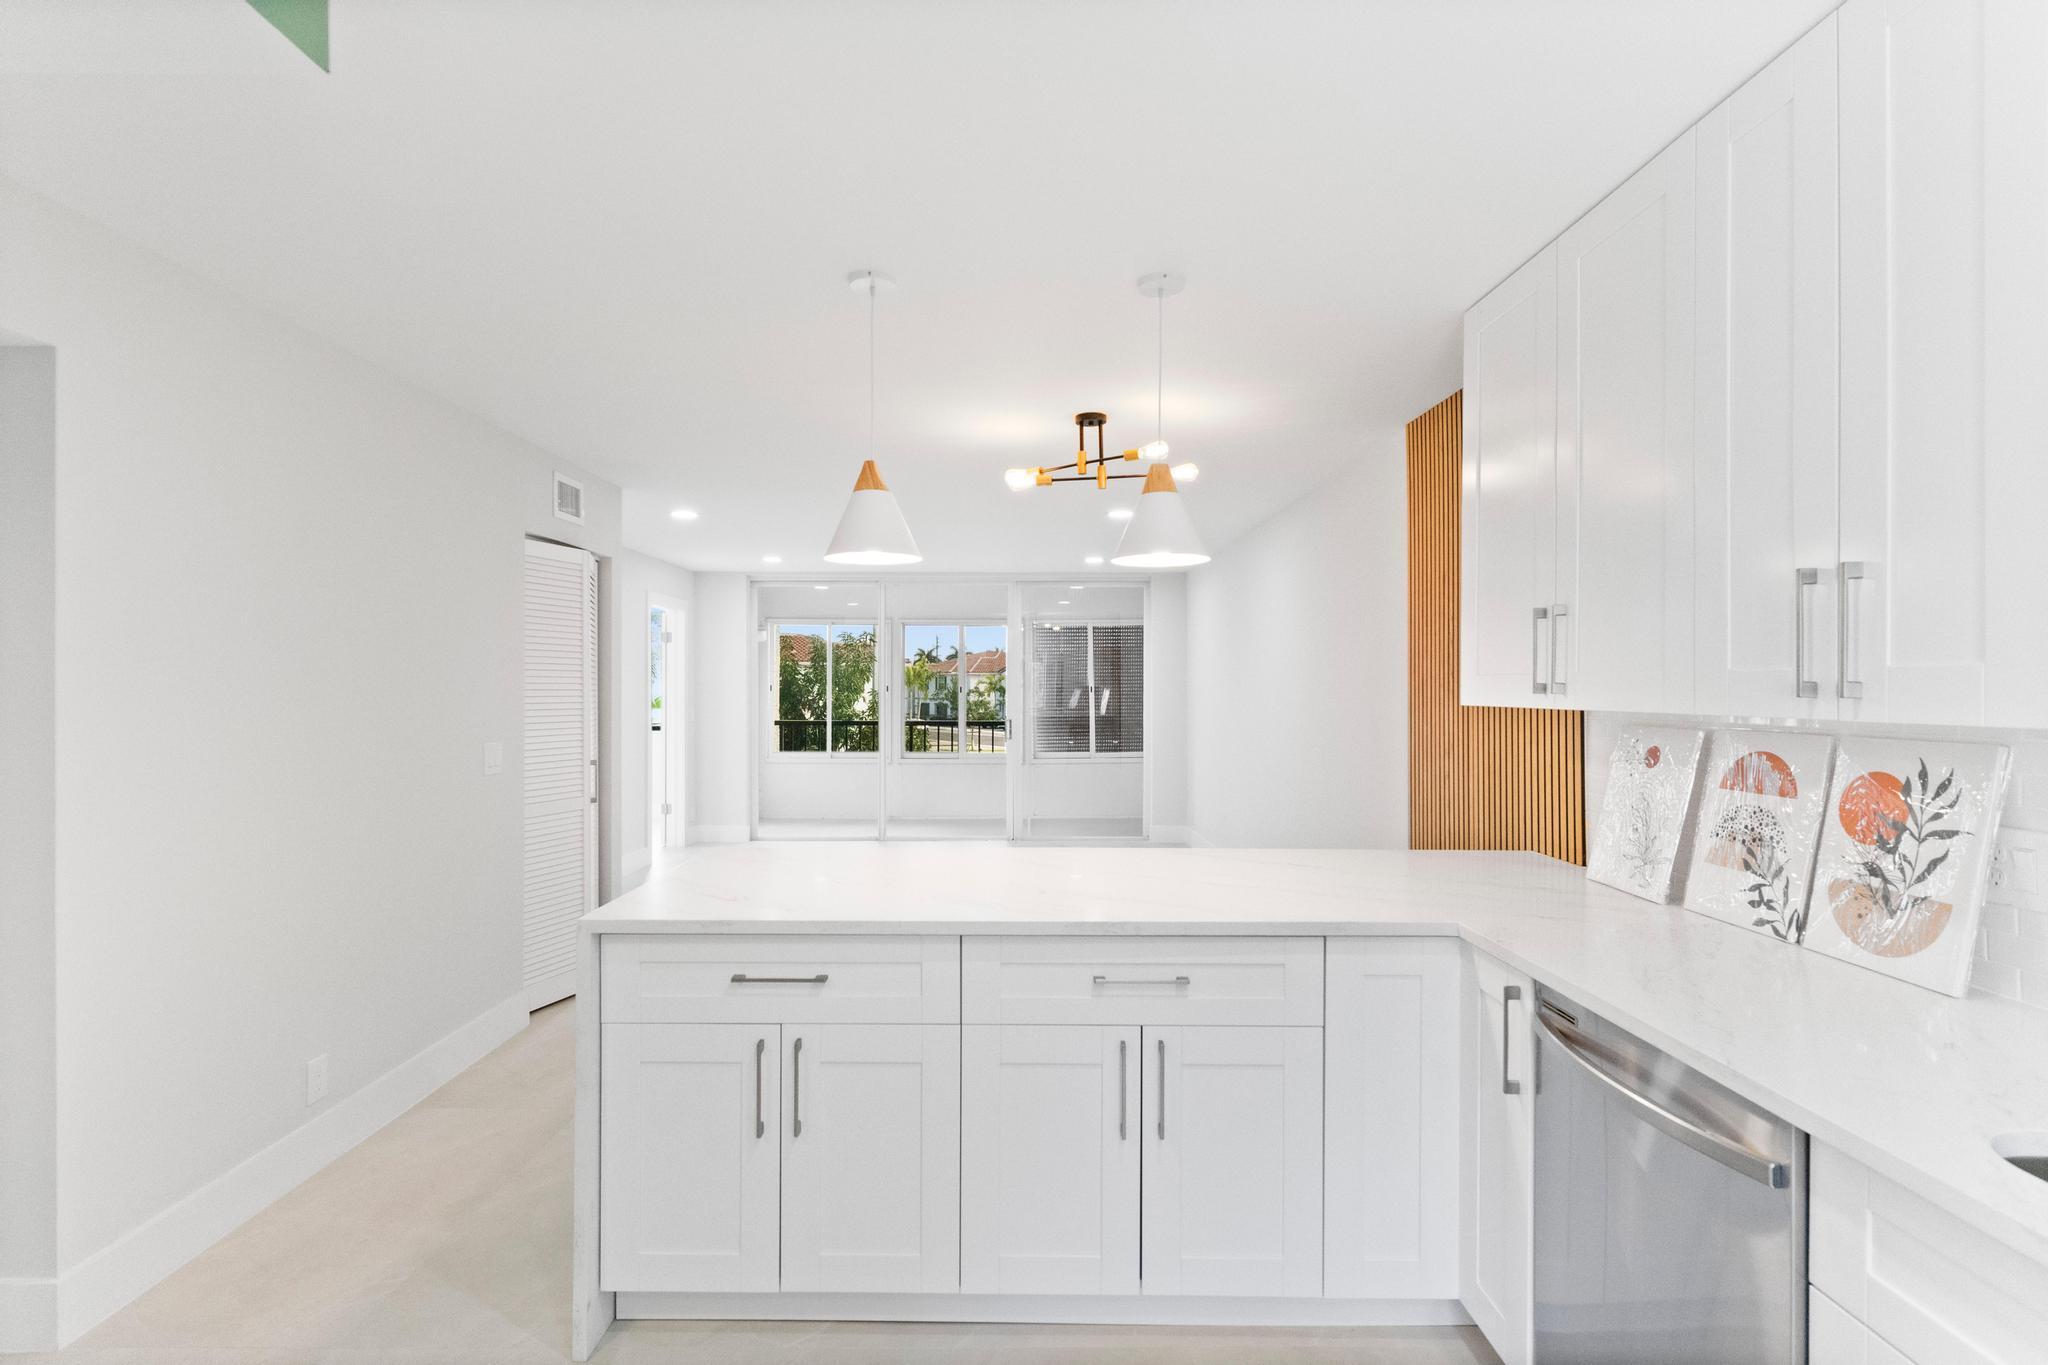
(561, 762)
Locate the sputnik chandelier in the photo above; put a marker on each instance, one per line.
(1159, 535)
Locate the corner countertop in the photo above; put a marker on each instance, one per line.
(1912, 1084)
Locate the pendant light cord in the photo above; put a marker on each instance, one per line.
(1159, 392)
(872, 291)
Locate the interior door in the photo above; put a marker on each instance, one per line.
(871, 1158)
(1233, 1161)
(1050, 1142)
(1624, 444)
(1944, 574)
(561, 777)
(1497, 1256)
(688, 1123)
(1506, 544)
(1768, 366)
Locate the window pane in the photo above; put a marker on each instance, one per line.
(931, 689)
(1119, 689)
(985, 666)
(800, 689)
(1059, 690)
(854, 724)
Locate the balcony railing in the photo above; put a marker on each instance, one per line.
(861, 736)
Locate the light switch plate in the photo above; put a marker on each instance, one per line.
(494, 757)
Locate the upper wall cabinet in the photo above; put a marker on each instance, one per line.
(1944, 474)
(1622, 622)
(1765, 395)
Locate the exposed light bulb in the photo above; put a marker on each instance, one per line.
(684, 514)
(1154, 450)
(1120, 514)
(771, 559)
(1092, 559)
(1019, 479)
(1186, 473)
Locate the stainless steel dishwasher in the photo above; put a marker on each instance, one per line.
(1670, 1212)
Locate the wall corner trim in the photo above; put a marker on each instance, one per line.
(114, 1276)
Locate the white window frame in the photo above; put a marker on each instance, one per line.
(960, 626)
(774, 665)
(1032, 626)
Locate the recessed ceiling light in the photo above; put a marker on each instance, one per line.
(1077, 587)
(684, 514)
(1092, 559)
(1120, 514)
(771, 559)
(853, 604)
(821, 587)
(1065, 603)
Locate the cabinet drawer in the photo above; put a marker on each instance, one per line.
(1142, 980)
(779, 978)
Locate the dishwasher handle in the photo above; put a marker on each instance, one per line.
(1736, 1157)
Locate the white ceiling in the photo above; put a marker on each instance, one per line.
(620, 228)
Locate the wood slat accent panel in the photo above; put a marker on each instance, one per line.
(1479, 777)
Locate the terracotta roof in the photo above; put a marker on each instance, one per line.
(979, 662)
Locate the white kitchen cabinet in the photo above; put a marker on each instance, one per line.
(871, 1158)
(689, 1128)
(1390, 1108)
(1049, 1159)
(1233, 1160)
(1507, 541)
(1765, 409)
(1944, 182)
(1624, 445)
(1497, 1251)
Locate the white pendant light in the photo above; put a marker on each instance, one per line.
(872, 529)
(1160, 534)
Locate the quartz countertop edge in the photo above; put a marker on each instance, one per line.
(1911, 1083)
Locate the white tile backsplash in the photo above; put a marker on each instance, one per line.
(2012, 942)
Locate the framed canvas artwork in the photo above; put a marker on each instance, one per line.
(1753, 841)
(1905, 855)
(1642, 818)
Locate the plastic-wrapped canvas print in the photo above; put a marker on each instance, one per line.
(1904, 857)
(1754, 838)
(1649, 785)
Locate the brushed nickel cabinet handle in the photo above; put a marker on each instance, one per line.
(1537, 616)
(760, 1052)
(1142, 981)
(742, 979)
(1804, 582)
(796, 1090)
(1558, 613)
(1508, 994)
(1847, 572)
(1162, 1090)
(1123, 1089)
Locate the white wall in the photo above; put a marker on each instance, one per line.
(1297, 670)
(721, 680)
(287, 605)
(28, 833)
(637, 578)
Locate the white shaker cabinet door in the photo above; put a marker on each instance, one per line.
(1507, 546)
(1766, 401)
(1050, 1142)
(1944, 173)
(1624, 445)
(690, 1154)
(871, 1158)
(1497, 1253)
(1233, 1161)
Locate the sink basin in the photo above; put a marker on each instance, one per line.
(2028, 1151)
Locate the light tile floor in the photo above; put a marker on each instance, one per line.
(444, 1240)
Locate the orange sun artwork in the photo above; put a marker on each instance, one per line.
(1761, 773)
(1873, 806)
(1652, 756)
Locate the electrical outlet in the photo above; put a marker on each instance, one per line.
(494, 758)
(316, 1079)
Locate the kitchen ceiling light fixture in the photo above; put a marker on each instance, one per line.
(872, 530)
(684, 514)
(1161, 535)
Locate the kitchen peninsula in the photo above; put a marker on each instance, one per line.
(964, 1082)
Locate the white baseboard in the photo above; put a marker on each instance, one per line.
(1173, 836)
(28, 1315)
(114, 1276)
(1138, 1309)
(548, 990)
(718, 834)
(1197, 839)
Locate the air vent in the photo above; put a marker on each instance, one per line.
(568, 499)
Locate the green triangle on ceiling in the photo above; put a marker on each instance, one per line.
(304, 22)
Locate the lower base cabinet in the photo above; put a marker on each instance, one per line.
(1202, 1144)
(1497, 1249)
(795, 1157)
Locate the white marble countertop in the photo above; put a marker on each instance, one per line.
(1910, 1083)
